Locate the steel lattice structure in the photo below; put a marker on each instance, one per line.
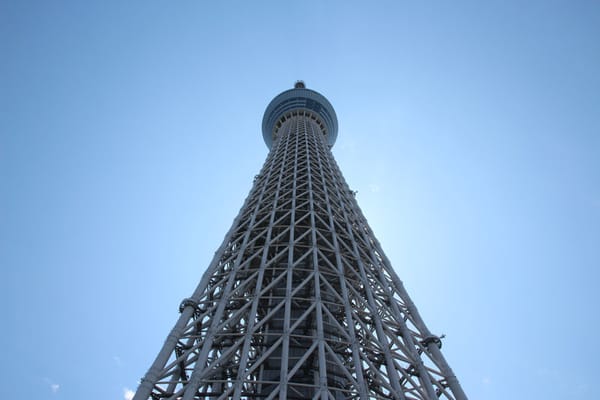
(300, 301)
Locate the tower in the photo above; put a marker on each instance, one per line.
(299, 301)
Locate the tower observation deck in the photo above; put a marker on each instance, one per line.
(300, 301)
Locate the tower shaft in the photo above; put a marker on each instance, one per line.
(300, 301)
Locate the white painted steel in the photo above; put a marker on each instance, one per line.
(300, 302)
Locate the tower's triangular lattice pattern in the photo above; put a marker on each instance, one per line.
(300, 301)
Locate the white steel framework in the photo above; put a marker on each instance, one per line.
(300, 301)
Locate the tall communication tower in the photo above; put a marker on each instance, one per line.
(300, 302)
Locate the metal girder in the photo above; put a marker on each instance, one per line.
(300, 301)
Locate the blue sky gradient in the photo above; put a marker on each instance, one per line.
(130, 135)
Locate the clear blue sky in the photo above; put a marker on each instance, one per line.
(130, 134)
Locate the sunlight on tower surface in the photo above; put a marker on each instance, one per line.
(300, 302)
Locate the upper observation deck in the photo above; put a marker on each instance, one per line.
(291, 102)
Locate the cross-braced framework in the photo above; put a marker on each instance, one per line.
(300, 301)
